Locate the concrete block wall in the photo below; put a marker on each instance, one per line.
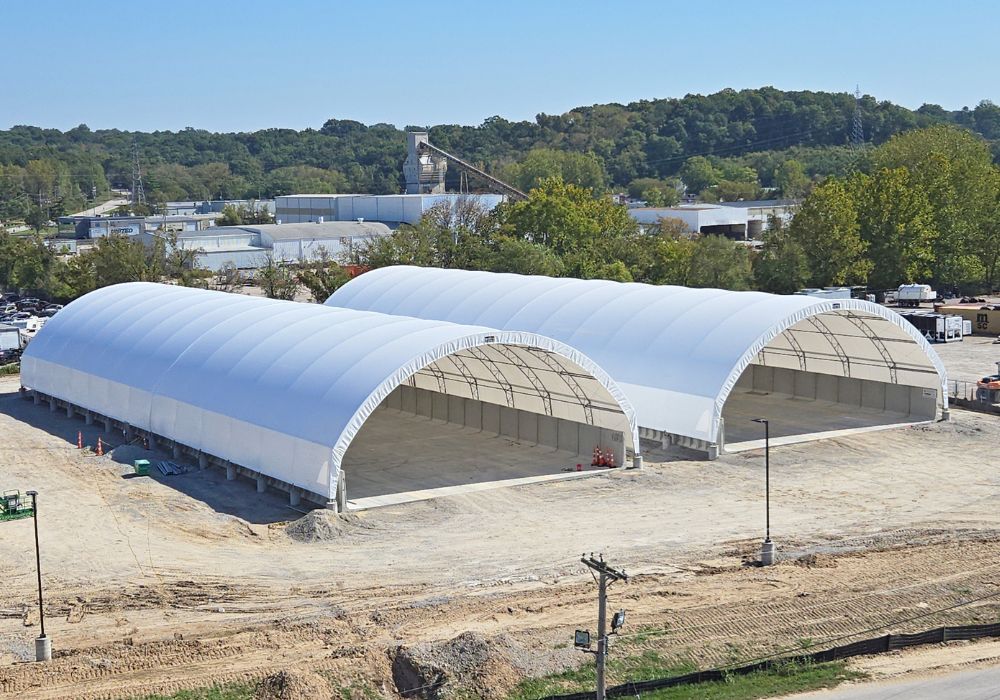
(917, 402)
(524, 427)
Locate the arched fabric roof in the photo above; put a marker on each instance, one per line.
(283, 387)
(677, 352)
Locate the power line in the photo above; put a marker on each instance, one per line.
(728, 149)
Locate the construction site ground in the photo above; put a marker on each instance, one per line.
(155, 584)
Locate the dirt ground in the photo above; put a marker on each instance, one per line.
(155, 584)
(974, 357)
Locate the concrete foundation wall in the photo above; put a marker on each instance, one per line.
(915, 401)
(520, 426)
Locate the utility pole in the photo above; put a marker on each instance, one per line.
(604, 575)
(767, 550)
(43, 645)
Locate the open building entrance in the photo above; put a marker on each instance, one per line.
(482, 417)
(832, 374)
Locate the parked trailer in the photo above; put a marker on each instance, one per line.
(914, 294)
(937, 328)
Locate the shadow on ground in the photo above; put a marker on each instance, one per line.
(238, 498)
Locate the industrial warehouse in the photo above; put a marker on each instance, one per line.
(297, 396)
(698, 364)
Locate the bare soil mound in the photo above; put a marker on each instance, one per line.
(486, 667)
(322, 525)
(293, 685)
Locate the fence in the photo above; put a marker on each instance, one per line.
(876, 645)
(963, 393)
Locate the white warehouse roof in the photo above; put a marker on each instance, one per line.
(283, 387)
(676, 352)
(300, 231)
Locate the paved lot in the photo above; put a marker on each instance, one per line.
(979, 684)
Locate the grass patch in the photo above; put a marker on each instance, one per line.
(781, 680)
(12, 368)
(647, 664)
(229, 691)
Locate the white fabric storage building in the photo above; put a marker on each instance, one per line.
(686, 356)
(282, 388)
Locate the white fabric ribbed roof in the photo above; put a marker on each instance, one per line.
(677, 352)
(283, 387)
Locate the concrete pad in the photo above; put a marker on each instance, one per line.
(399, 457)
(794, 420)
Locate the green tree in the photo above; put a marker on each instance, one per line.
(565, 217)
(582, 169)
(955, 170)
(698, 174)
(322, 277)
(656, 193)
(781, 266)
(37, 218)
(730, 191)
(896, 223)
(672, 259)
(826, 227)
(790, 177)
(719, 262)
(230, 217)
(117, 259)
(525, 258)
(276, 279)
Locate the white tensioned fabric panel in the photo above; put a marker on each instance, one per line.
(677, 352)
(277, 386)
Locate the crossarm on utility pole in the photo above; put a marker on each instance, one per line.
(605, 576)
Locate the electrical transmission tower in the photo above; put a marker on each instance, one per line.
(857, 128)
(138, 194)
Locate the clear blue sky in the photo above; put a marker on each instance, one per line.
(229, 65)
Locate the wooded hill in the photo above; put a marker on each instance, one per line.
(747, 136)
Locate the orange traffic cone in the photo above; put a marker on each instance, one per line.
(100, 448)
(596, 461)
(79, 439)
(611, 459)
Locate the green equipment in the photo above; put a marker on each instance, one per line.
(13, 507)
(141, 467)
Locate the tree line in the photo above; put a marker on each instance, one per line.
(922, 207)
(726, 145)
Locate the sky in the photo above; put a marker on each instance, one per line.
(228, 65)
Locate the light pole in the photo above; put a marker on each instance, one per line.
(43, 645)
(767, 550)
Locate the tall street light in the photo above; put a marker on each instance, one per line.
(767, 550)
(43, 645)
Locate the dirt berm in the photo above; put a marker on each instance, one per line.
(469, 664)
(293, 685)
